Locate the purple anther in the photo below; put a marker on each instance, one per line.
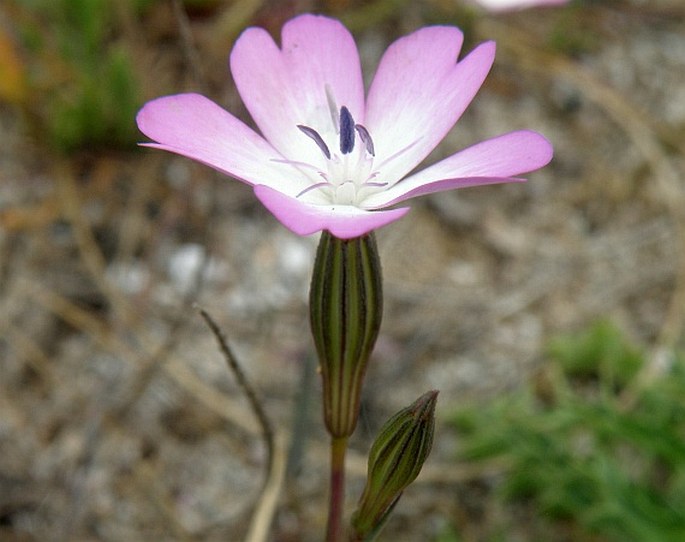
(310, 132)
(365, 136)
(346, 131)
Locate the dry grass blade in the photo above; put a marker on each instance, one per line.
(260, 524)
(176, 369)
(233, 19)
(189, 49)
(89, 250)
(276, 456)
(234, 366)
(28, 348)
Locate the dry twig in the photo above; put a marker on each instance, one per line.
(276, 456)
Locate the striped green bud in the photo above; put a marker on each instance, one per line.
(346, 305)
(395, 460)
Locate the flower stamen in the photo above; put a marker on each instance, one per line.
(332, 107)
(316, 137)
(365, 136)
(346, 131)
(313, 187)
(349, 175)
(398, 153)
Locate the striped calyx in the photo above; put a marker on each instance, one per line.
(395, 460)
(346, 304)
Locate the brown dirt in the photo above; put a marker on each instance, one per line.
(118, 417)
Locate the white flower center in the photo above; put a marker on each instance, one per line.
(349, 175)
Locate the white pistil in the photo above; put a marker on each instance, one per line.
(346, 193)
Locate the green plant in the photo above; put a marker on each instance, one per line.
(82, 82)
(580, 452)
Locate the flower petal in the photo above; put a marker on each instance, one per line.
(343, 221)
(284, 87)
(507, 5)
(496, 160)
(194, 126)
(419, 92)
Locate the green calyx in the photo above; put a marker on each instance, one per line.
(346, 305)
(395, 460)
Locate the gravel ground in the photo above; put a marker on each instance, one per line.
(118, 417)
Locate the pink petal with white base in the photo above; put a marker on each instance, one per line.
(194, 126)
(419, 92)
(284, 87)
(496, 160)
(342, 221)
(326, 161)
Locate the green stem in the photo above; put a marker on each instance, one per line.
(334, 532)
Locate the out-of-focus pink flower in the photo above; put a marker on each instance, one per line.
(329, 158)
(511, 5)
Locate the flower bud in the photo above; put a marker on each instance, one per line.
(345, 304)
(395, 460)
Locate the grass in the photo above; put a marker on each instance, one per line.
(593, 446)
(81, 84)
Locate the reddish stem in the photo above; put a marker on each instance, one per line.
(334, 532)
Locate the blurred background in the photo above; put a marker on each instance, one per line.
(549, 314)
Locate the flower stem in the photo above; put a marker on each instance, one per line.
(334, 532)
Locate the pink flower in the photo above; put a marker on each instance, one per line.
(508, 5)
(329, 158)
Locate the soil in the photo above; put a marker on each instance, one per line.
(119, 419)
